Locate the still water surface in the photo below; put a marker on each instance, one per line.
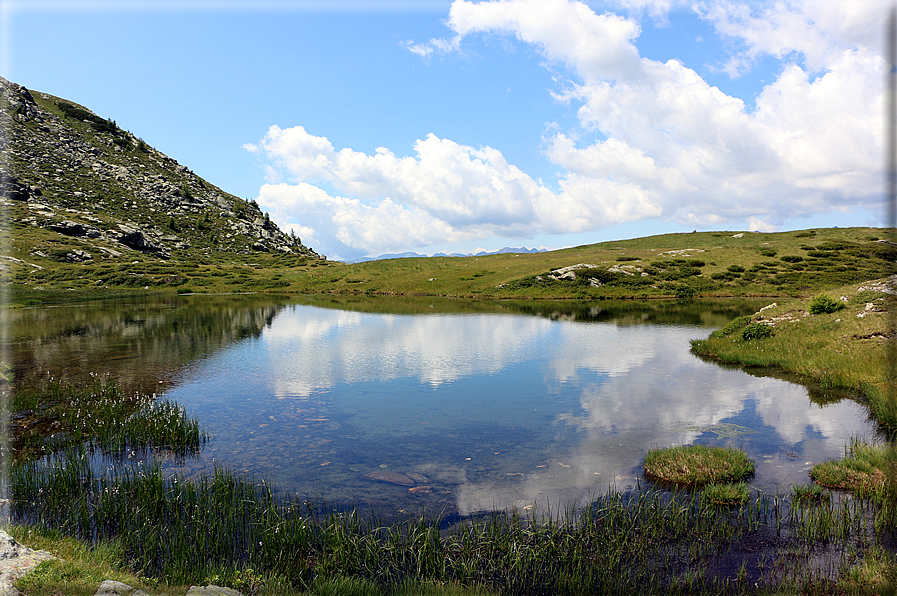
(476, 410)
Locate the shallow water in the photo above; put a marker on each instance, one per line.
(480, 408)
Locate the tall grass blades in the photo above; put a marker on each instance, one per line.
(241, 530)
(101, 417)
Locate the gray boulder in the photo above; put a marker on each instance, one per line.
(211, 591)
(136, 239)
(74, 228)
(114, 588)
(11, 188)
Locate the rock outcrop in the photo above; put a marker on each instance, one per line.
(16, 561)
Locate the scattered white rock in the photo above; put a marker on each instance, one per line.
(569, 272)
(625, 269)
(683, 252)
(887, 285)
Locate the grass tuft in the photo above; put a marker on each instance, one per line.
(103, 418)
(697, 465)
(726, 493)
(811, 493)
(861, 471)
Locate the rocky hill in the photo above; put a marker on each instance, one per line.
(77, 188)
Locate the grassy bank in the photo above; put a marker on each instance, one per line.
(847, 347)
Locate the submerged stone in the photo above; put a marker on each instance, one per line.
(389, 477)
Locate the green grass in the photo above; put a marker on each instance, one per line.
(725, 493)
(240, 532)
(876, 574)
(862, 471)
(697, 465)
(846, 348)
(810, 493)
(718, 264)
(79, 568)
(100, 417)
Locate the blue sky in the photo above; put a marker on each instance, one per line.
(377, 127)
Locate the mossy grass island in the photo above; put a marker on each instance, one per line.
(697, 465)
(127, 221)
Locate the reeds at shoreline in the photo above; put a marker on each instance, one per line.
(101, 417)
(228, 527)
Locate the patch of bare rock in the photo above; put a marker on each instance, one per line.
(16, 561)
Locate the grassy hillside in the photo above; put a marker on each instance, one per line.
(707, 264)
(670, 265)
(86, 204)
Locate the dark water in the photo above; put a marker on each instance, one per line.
(472, 406)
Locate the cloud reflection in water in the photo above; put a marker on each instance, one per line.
(555, 410)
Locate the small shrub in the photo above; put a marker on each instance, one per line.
(75, 112)
(101, 125)
(824, 304)
(685, 292)
(736, 268)
(756, 331)
(767, 252)
(792, 258)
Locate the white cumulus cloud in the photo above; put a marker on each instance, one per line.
(446, 193)
(670, 145)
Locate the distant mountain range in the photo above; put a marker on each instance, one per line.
(483, 253)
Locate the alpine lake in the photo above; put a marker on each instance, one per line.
(448, 406)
